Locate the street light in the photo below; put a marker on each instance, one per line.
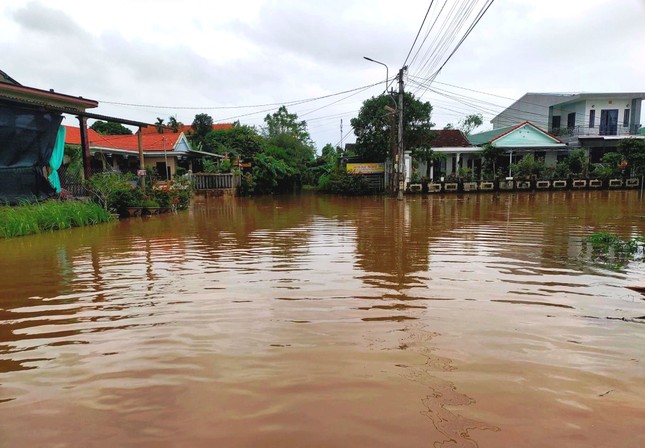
(393, 111)
(387, 70)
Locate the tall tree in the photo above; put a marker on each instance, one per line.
(159, 125)
(375, 126)
(174, 124)
(110, 128)
(240, 140)
(202, 125)
(470, 123)
(282, 122)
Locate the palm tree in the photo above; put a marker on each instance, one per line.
(174, 124)
(159, 125)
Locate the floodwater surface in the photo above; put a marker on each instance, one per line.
(313, 321)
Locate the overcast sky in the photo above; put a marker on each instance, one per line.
(143, 59)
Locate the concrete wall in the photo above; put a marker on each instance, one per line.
(152, 162)
(533, 107)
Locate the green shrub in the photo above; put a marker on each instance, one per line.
(113, 191)
(341, 182)
(611, 249)
(609, 166)
(528, 167)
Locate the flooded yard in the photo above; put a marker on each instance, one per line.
(314, 321)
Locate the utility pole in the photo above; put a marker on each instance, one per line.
(341, 132)
(401, 162)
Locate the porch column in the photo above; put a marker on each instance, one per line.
(510, 162)
(85, 148)
(142, 165)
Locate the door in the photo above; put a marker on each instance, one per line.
(163, 171)
(609, 122)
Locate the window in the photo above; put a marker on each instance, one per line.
(555, 123)
(571, 120)
(626, 118)
(592, 118)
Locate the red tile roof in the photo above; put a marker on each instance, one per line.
(450, 138)
(150, 142)
(73, 135)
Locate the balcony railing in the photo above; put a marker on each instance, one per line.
(578, 131)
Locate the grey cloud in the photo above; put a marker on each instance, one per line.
(302, 30)
(37, 17)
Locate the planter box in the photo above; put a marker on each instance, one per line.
(451, 186)
(486, 186)
(595, 183)
(506, 184)
(632, 182)
(415, 188)
(151, 210)
(470, 186)
(560, 184)
(615, 183)
(579, 183)
(523, 184)
(134, 211)
(543, 184)
(434, 188)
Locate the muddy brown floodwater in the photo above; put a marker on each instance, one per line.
(313, 321)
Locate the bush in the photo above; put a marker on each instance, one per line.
(341, 182)
(528, 167)
(174, 194)
(113, 191)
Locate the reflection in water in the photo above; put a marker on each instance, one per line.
(325, 321)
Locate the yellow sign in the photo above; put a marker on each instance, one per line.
(365, 168)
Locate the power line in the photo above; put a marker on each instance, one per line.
(283, 103)
(418, 32)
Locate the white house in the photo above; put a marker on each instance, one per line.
(597, 121)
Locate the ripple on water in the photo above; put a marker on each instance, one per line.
(254, 322)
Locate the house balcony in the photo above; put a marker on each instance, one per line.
(568, 135)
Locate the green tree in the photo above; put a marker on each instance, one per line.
(159, 125)
(241, 140)
(375, 127)
(329, 152)
(271, 175)
(470, 123)
(576, 162)
(609, 166)
(490, 155)
(288, 140)
(110, 128)
(174, 124)
(528, 167)
(202, 125)
(633, 151)
(282, 122)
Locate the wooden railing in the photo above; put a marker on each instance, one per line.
(208, 181)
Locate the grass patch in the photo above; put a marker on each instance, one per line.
(48, 216)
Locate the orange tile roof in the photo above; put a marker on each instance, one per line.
(73, 135)
(150, 142)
